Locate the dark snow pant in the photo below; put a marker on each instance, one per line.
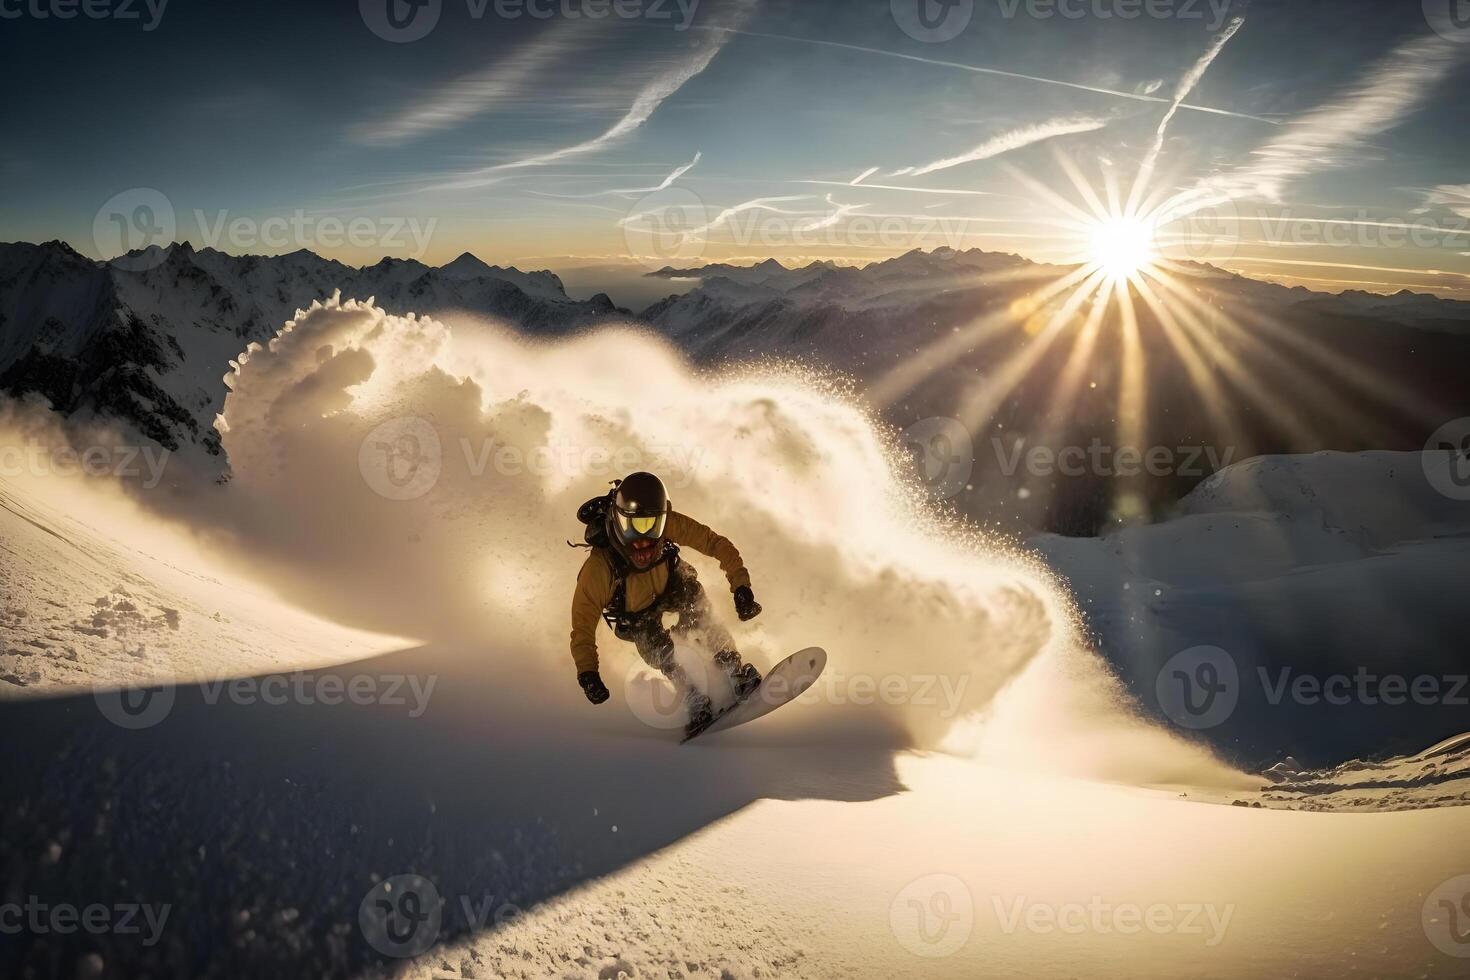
(655, 642)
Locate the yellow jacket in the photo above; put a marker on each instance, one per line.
(596, 582)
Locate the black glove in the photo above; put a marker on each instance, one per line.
(745, 605)
(592, 686)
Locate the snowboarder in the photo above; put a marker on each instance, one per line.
(634, 576)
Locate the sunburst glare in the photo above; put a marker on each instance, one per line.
(1122, 247)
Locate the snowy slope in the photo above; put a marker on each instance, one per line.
(97, 592)
(816, 843)
(1034, 877)
(1324, 565)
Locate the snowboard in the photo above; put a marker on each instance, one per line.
(783, 683)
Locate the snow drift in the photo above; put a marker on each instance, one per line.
(1346, 569)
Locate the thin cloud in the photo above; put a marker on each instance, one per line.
(1096, 89)
(1186, 85)
(1006, 142)
(479, 92)
(644, 106)
(1456, 197)
(1335, 135)
(896, 187)
(841, 211)
(630, 191)
(759, 203)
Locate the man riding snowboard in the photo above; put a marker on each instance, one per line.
(634, 576)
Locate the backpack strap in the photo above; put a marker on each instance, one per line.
(616, 610)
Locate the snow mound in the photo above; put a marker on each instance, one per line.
(1330, 565)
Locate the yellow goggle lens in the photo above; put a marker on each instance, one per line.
(643, 525)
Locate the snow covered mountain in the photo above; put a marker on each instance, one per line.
(1301, 371)
(146, 342)
(747, 307)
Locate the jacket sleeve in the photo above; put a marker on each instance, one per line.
(687, 531)
(594, 590)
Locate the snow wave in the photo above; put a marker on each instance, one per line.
(419, 479)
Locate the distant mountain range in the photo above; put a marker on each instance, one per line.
(146, 341)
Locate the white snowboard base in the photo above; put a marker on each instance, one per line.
(783, 683)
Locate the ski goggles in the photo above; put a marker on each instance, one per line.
(631, 526)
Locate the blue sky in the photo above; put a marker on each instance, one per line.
(1337, 152)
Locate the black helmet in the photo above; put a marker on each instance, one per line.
(636, 519)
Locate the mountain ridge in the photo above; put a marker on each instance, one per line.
(144, 339)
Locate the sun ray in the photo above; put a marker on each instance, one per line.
(988, 395)
(922, 363)
(1176, 323)
(1059, 406)
(1248, 382)
(1089, 196)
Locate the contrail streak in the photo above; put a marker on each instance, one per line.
(1135, 96)
(1006, 142)
(1181, 92)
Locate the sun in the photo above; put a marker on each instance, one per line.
(1122, 247)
